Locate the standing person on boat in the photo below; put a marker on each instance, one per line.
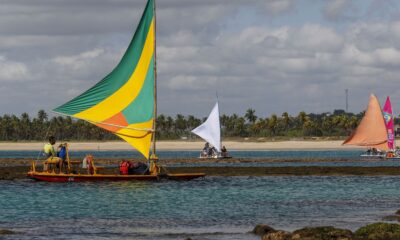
(224, 152)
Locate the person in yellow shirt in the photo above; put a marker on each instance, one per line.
(49, 147)
(51, 155)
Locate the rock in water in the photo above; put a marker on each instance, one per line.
(278, 235)
(262, 229)
(322, 233)
(379, 231)
(6, 232)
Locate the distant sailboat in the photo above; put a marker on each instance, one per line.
(393, 153)
(389, 121)
(371, 132)
(210, 131)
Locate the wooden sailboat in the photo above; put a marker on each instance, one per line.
(393, 153)
(371, 132)
(124, 103)
(210, 131)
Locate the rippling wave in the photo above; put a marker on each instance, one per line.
(210, 208)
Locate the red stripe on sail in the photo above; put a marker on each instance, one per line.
(118, 120)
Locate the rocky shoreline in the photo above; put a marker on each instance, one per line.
(375, 231)
(11, 169)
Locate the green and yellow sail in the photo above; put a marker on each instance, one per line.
(123, 101)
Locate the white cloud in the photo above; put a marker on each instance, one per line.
(79, 61)
(278, 6)
(191, 83)
(387, 56)
(316, 38)
(12, 71)
(335, 9)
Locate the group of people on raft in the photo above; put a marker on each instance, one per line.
(58, 160)
(211, 152)
(393, 153)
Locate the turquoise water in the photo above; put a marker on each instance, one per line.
(209, 208)
(338, 158)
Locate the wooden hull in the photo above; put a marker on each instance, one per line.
(219, 157)
(54, 177)
(393, 158)
(372, 156)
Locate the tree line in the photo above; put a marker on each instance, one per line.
(336, 124)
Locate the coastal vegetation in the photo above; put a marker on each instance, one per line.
(336, 124)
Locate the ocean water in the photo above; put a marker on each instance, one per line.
(209, 208)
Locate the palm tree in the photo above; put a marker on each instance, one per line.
(250, 115)
(25, 125)
(42, 116)
(272, 124)
(285, 120)
(240, 128)
(180, 124)
(301, 118)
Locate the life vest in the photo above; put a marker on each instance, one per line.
(124, 168)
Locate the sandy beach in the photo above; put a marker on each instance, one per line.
(187, 145)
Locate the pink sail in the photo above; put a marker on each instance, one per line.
(388, 116)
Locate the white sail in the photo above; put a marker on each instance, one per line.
(210, 130)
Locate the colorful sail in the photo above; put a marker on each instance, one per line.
(123, 101)
(210, 130)
(371, 131)
(388, 116)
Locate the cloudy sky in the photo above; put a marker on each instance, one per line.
(270, 55)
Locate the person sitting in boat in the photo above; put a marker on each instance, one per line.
(369, 150)
(224, 152)
(133, 168)
(48, 148)
(397, 152)
(62, 154)
(138, 168)
(212, 152)
(390, 154)
(205, 150)
(374, 151)
(50, 154)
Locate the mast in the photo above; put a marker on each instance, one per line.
(219, 117)
(155, 82)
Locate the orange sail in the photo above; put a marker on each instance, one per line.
(372, 130)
